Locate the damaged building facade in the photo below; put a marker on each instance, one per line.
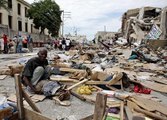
(15, 21)
(146, 23)
(104, 35)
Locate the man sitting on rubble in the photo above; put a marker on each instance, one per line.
(35, 70)
(36, 74)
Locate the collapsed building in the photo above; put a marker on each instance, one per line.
(145, 23)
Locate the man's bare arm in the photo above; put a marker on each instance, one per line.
(27, 82)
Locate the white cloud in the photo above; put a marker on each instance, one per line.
(90, 16)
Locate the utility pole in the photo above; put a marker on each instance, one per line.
(62, 23)
(104, 28)
(64, 15)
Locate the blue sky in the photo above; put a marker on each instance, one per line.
(90, 16)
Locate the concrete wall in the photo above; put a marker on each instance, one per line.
(104, 35)
(11, 33)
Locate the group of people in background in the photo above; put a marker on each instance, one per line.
(15, 44)
(62, 44)
(18, 42)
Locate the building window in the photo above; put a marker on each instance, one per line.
(26, 27)
(10, 4)
(31, 28)
(0, 18)
(19, 25)
(26, 12)
(10, 21)
(19, 9)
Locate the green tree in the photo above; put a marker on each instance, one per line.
(46, 14)
(3, 4)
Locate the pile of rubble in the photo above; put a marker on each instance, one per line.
(132, 80)
(129, 80)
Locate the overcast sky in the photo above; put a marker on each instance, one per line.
(90, 16)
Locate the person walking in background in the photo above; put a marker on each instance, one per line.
(68, 42)
(63, 44)
(5, 39)
(1, 44)
(56, 44)
(11, 46)
(60, 43)
(20, 44)
(16, 43)
(25, 42)
(30, 43)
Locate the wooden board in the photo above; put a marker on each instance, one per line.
(2, 77)
(100, 106)
(128, 113)
(32, 115)
(155, 86)
(162, 81)
(134, 107)
(150, 105)
(30, 102)
(71, 70)
(38, 97)
(67, 79)
(19, 96)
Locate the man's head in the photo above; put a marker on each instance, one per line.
(42, 54)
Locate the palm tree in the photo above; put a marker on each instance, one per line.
(3, 4)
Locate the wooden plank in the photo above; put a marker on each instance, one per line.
(62, 79)
(32, 115)
(100, 106)
(135, 107)
(122, 111)
(67, 79)
(19, 96)
(128, 113)
(38, 97)
(162, 81)
(81, 82)
(2, 77)
(30, 102)
(150, 105)
(78, 96)
(141, 104)
(152, 115)
(155, 86)
(71, 70)
(5, 112)
(83, 97)
(91, 82)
